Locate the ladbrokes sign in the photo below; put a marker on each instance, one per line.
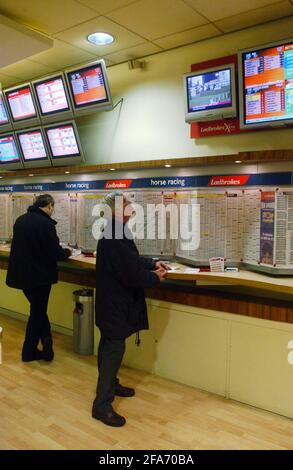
(238, 180)
(218, 127)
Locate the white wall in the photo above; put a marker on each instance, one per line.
(150, 123)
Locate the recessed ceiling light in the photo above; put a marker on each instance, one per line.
(67, 172)
(112, 169)
(168, 166)
(238, 161)
(100, 39)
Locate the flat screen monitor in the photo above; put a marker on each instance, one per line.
(22, 106)
(89, 88)
(266, 85)
(33, 148)
(210, 94)
(5, 123)
(9, 152)
(64, 144)
(52, 98)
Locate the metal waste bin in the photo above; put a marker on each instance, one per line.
(83, 321)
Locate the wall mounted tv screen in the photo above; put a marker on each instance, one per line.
(33, 148)
(64, 144)
(52, 97)
(266, 85)
(210, 93)
(4, 117)
(9, 152)
(89, 88)
(21, 105)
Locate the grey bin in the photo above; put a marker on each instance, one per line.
(83, 321)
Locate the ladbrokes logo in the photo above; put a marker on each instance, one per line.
(226, 128)
(118, 184)
(238, 180)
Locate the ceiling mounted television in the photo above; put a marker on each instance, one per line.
(33, 148)
(89, 88)
(21, 105)
(210, 93)
(266, 85)
(52, 98)
(5, 124)
(63, 142)
(9, 152)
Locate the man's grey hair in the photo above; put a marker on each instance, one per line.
(111, 198)
(44, 200)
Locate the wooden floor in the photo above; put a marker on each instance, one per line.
(48, 406)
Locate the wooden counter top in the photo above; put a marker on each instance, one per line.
(241, 278)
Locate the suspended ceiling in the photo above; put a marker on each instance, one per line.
(140, 28)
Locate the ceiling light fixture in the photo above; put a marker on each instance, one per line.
(238, 161)
(168, 166)
(100, 39)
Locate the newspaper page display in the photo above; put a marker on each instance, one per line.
(85, 219)
(152, 233)
(19, 206)
(62, 215)
(284, 228)
(250, 225)
(212, 209)
(4, 216)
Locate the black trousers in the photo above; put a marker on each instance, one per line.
(110, 355)
(38, 325)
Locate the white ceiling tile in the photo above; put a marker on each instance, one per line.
(48, 16)
(19, 42)
(133, 53)
(154, 19)
(62, 55)
(133, 23)
(104, 6)
(216, 9)
(271, 12)
(188, 37)
(77, 36)
(26, 69)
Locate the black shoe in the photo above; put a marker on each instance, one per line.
(35, 356)
(125, 392)
(110, 418)
(48, 353)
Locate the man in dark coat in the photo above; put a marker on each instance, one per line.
(121, 277)
(32, 267)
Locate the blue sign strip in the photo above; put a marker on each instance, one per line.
(163, 183)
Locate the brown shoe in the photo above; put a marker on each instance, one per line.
(110, 418)
(125, 392)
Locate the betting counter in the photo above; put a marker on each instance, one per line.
(225, 333)
(243, 292)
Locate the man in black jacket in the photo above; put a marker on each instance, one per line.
(121, 277)
(32, 267)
